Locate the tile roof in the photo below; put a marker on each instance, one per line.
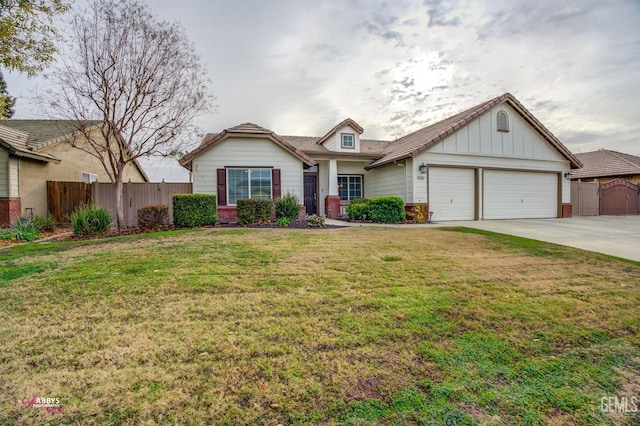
(385, 152)
(45, 132)
(606, 163)
(244, 129)
(26, 138)
(369, 148)
(421, 140)
(17, 143)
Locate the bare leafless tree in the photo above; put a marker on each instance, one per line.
(131, 84)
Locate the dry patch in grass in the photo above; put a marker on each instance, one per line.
(346, 325)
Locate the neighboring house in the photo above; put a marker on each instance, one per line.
(493, 161)
(33, 152)
(607, 184)
(605, 165)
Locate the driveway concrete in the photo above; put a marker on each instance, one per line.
(612, 235)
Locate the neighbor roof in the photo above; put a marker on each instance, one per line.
(17, 143)
(606, 163)
(25, 138)
(421, 140)
(249, 130)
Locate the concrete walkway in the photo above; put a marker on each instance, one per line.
(613, 235)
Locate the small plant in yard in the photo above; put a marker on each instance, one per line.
(88, 220)
(288, 206)
(44, 222)
(358, 209)
(315, 222)
(418, 214)
(21, 231)
(191, 210)
(153, 217)
(387, 209)
(283, 222)
(251, 212)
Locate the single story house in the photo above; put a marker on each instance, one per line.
(33, 152)
(492, 161)
(605, 165)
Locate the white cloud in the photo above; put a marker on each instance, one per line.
(299, 67)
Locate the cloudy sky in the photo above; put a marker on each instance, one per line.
(299, 67)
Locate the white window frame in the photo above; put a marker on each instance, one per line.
(248, 170)
(353, 141)
(349, 177)
(87, 177)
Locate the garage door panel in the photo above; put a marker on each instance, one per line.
(520, 195)
(452, 193)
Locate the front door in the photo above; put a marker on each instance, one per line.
(311, 194)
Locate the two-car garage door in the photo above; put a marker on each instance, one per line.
(505, 194)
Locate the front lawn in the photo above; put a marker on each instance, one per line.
(355, 326)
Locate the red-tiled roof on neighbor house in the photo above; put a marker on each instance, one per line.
(421, 140)
(335, 128)
(249, 130)
(606, 163)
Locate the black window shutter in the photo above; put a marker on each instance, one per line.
(222, 187)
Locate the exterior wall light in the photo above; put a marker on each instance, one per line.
(423, 168)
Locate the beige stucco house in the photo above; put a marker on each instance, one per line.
(492, 161)
(33, 152)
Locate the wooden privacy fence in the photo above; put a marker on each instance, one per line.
(135, 195)
(584, 198)
(64, 197)
(619, 197)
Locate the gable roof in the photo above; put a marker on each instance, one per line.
(247, 130)
(28, 137)
(606, 163)
(423, 139)
(335, 128)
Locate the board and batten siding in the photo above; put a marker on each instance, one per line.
(14, 177)
(480, 145)
(247, 153)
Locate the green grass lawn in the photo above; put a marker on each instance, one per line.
(338, 326)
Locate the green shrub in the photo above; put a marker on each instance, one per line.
(288, 206)
(44, 222)
(387, 209)
(315, 222)
(153, 217)
(191, 210)
(255, 211)
(358, 209)
(283, 222)
(21, 231)
(89, 220)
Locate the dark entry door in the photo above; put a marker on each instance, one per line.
(311, 194)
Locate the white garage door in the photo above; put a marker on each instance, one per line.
(520, 195)
(451, 193)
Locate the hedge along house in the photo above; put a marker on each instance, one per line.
(493, 161)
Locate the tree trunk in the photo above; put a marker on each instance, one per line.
(119, 204)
